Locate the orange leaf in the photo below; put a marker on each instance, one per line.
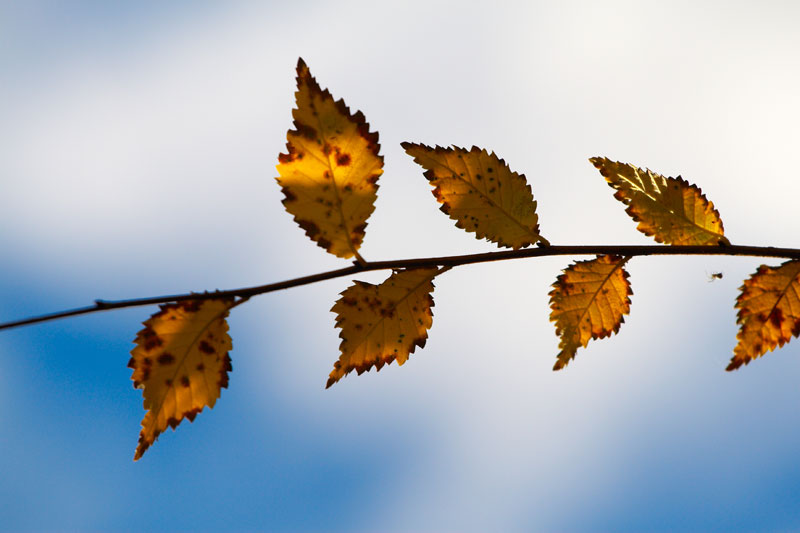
(383, 323)
(480, 192)
(670, 210)
(588, 301)
(769, 311)
(330, 172)
(181, 361)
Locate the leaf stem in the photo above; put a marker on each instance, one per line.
(359, 260)
(446, 261)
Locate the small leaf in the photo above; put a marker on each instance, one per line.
(480, 192)
(330, 172)
(769, 311)
(383, 323)
(588, 301)
(670, 210)
(181, 361)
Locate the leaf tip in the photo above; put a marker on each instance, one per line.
(597, 161)
(142, 447)
(410, 147)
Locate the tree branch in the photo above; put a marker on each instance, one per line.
(450, 261)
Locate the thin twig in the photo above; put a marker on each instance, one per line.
(448, 261)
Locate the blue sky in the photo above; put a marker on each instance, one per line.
(137, 158)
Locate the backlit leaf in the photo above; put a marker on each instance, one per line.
(670, 210)
(480, 192)
(181, 362)
(588, 301)
(330, 172)
(383, 323)
(769, 311)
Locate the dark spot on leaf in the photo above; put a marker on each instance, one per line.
(290, 196)
(191, 306)
(185, 380)
(306, 131)
(166, 359)
(311, 229)
(223, 374)
(776, 317)
(343, 160)
(206, 348)
(288, 158)
(151, 339)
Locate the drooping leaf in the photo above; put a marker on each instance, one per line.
(769, 311)
(181, 362)
(588, 301)
(481, 193)
(670, 210)
(383, 323)
(330, 171)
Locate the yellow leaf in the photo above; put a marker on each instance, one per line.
(383, 323)
(670, 210)
(769, 311)
(480, 192)
(330, 172)
(181, 362)
(587, 302)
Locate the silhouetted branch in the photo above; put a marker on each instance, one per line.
(451, 261)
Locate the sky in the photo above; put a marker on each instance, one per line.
(137, 158)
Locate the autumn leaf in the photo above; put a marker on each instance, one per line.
(670, 210)
(588, 301)
(330, 171)
(383, 323)
(480, 192)
(769, 311)
(181, 362)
